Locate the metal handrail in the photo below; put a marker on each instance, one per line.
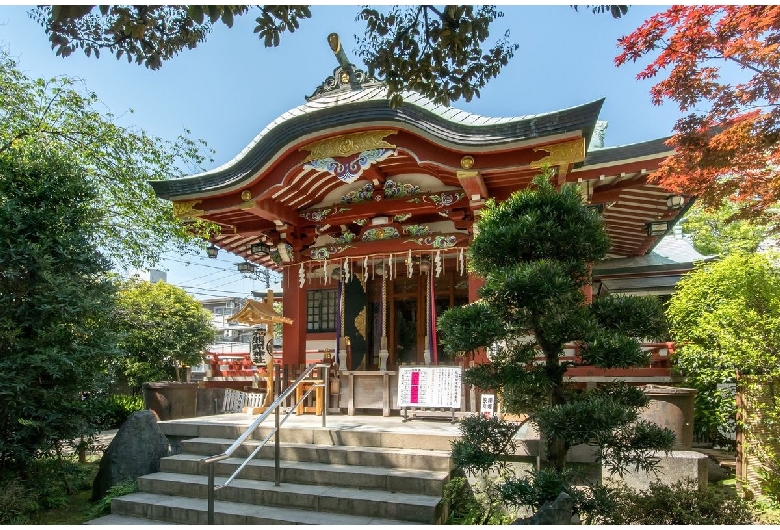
(274, 407)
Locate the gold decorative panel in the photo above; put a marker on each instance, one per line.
(186, 209)
(360, 323)
(347, 144)
(563, 153)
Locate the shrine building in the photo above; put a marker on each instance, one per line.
(367, 210)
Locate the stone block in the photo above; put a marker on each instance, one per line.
(674, 467)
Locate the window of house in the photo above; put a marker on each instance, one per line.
(321, 310)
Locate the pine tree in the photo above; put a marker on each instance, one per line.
(534, 251)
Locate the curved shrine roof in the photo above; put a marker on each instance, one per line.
(447, 125)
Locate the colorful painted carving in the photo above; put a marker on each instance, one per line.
(441, 200)
(435, 241)
(364, 194)
(360, 222)
(323, 253)
(401, 217)
(382, 232)
(395, 190)
(345, 237)
(417, 230)
(316, 216)
(350, 171)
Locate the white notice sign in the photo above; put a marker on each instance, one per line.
(488, 402)
(429, 386)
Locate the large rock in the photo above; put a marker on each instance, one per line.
(136, 450)
(557, 512)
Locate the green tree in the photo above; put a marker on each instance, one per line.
(439, 52)
(60, 115)
(718, 231)
(725, 318)
(56, 303)
(163, 329)
(533, 250)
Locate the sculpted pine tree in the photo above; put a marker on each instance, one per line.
(533, 251)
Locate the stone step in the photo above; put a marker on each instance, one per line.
(318, 436)
(113, 519)
(421, 482)
(315, 498)
(334, 454)
(151, 508)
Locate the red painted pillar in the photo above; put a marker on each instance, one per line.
(294, 301)
(474, 284)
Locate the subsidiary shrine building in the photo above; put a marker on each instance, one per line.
(367, 210)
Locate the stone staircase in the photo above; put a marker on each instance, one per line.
(328, 476)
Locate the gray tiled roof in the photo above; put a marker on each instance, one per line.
(454, 126)
(605, 155)
(670, 253)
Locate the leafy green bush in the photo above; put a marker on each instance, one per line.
(53, 480)
(47, 483)
(472, 506)
(103, 506)
(110, 412)
(766, 511)
(16, 502)
(680, 503)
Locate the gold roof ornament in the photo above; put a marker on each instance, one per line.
(255, 312)
(186, 210)
(563, 153)
(347, 144)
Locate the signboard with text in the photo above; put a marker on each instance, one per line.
(487, 404)
(429, 386)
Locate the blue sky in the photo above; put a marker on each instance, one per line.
(230, 87)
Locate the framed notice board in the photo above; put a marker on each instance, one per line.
(429, 386)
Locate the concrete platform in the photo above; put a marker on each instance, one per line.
(341, 422)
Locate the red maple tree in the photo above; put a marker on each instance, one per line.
(728, 146)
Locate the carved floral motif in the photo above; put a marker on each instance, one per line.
(417, 230)
(364, 194)
(382, 232)
(441, 200)
(322, 253)
(346, 237)
(395, 190)
(435, 241)
(316, 216)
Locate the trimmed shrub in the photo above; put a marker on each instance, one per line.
(682, 503)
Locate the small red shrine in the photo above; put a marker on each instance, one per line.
(367, 210)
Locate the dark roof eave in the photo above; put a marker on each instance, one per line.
(582, 118)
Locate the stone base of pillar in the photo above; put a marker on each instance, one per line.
(383, 356)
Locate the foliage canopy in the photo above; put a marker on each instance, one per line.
(715, 231)
(59, 115)
(728, 146)
(56, 303)
(162, 329)
(441, 52)
(725, 318)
